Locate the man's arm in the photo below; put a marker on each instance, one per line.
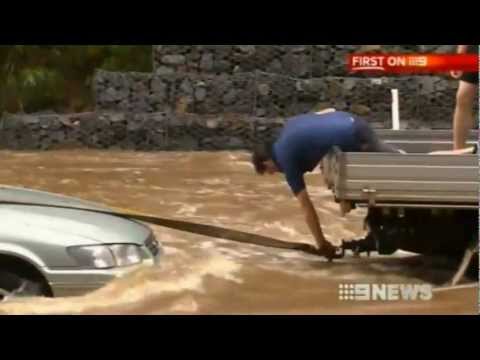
(296, 181)
(311, 218)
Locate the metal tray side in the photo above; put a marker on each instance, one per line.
(406, 178)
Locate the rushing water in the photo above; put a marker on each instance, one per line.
(201, 275)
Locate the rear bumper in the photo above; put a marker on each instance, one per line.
(68, 283)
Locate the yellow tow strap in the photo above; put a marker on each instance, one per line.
(199, 229)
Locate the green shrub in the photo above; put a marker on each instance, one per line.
(36, 78)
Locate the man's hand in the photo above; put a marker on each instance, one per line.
(456, 74)
(462, 49)
(467, 151)
(327, 250)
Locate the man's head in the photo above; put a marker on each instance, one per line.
(262, 159)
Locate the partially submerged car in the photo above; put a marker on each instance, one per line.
(58, 252)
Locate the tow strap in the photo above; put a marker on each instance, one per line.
(229, 234)
(189, 227)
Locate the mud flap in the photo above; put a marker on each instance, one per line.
(468, 258)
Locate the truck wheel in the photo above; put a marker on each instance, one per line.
(13, 286)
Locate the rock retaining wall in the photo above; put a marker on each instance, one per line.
(304, 61)
(425, 100)
(133, 131)
(223, 97)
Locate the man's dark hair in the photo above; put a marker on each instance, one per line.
(261, 153)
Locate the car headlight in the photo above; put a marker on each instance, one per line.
(126, 255)
(106, 257)
(97, 257)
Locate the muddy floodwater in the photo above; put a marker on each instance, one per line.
(201, 275)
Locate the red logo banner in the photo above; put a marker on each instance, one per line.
(412, 63)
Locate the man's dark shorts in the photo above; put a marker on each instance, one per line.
(366, 136)
(471, 78)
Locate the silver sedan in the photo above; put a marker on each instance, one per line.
(54, 252)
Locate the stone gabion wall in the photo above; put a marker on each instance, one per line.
(303, 61)
(222, 97)
(276, 81)
(426, 101)
(134, 131)
(202, 94)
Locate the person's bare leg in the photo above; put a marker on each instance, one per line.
(464, 121)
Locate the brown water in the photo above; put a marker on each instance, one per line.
(201, 275)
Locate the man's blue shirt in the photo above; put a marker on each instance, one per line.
(306, 139)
